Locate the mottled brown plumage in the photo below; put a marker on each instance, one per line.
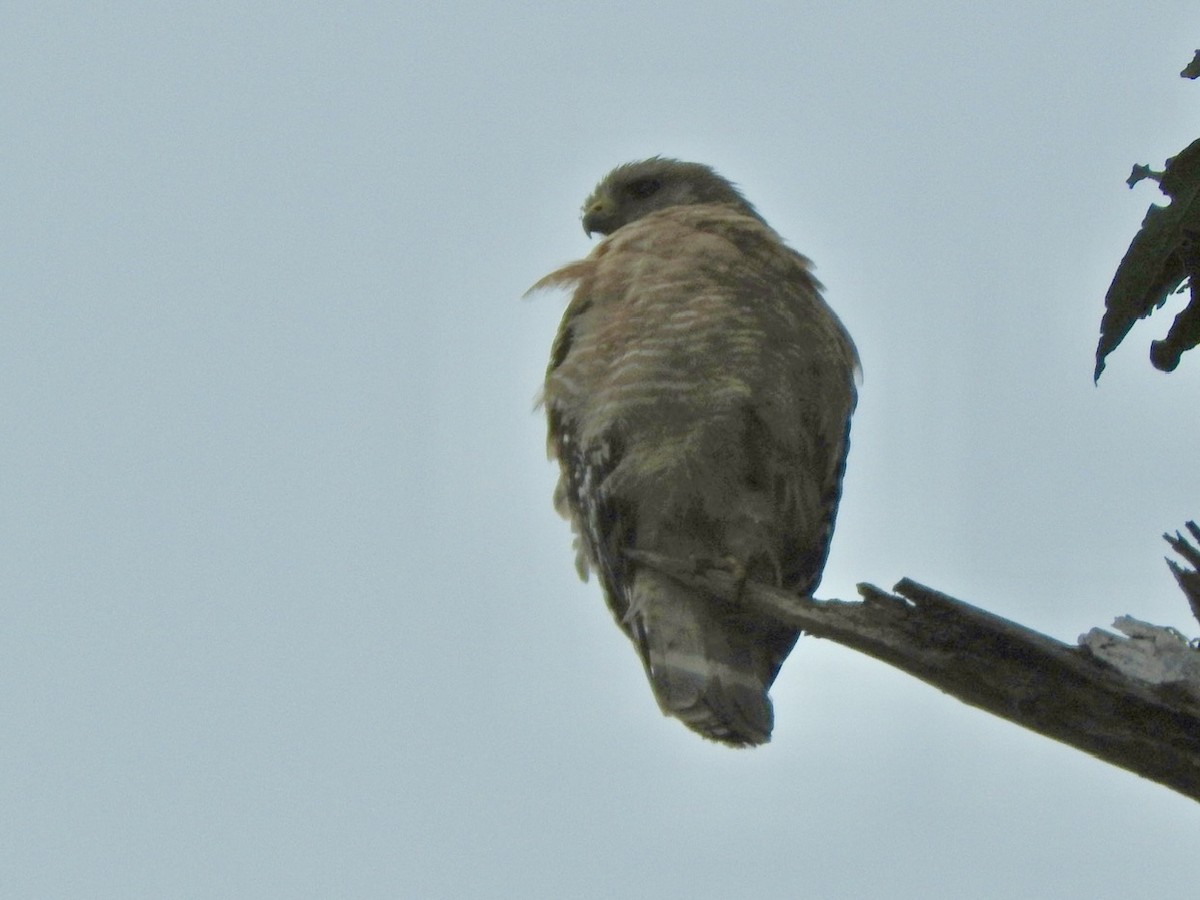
(698, 396)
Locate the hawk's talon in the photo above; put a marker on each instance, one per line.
(730, 565)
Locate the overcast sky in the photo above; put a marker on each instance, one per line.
(285, 610)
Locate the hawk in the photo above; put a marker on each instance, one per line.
(698, 398)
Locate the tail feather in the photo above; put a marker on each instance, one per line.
(706, 667)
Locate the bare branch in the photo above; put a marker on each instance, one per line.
(1187, 579)
(1060, 691)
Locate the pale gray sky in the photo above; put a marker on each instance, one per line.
(284, 607)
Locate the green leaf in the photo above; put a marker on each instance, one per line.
(1192, 69)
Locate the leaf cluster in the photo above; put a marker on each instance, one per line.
(1162, 259)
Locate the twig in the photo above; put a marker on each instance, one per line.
(1187, 579)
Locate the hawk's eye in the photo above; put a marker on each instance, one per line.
(644, 187)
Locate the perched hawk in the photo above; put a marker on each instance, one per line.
(699, 397)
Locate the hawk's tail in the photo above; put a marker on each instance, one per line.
(707, 668)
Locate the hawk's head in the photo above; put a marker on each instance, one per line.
(636, 189)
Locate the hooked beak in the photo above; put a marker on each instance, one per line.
(597, 218)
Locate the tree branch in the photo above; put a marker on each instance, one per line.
(1187, 579)
(1075, 695)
